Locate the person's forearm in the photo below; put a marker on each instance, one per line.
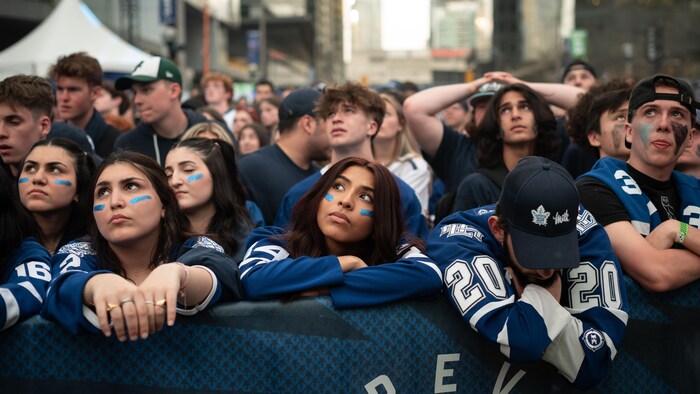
(560, 95)
(433, 100)
(195, 284)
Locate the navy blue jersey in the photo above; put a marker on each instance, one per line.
(416, 223)
(643, 214)
(75, 263)
(25, 280)
(579, 335)
(267, 272)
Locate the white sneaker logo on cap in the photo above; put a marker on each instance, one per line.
(539, 216)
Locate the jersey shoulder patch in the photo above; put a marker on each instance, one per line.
(80, 249)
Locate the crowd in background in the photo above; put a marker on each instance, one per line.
(134, 205)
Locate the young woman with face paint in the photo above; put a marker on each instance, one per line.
(348, 240)
(141, 266)
(204, 177)
(53, 187)
(24, 263)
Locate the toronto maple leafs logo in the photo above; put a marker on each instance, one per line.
(539, 216)
(593, 339)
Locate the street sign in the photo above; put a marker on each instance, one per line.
(579, 43)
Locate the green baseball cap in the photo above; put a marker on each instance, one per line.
(150, 70)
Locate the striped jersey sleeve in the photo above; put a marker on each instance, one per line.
(579, 335)
(25, 281)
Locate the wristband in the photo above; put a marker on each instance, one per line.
(682, 233)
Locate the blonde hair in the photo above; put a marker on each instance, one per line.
(406, 144)
(212, 127)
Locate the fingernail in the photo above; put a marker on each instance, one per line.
(144, 335)
(171, 322)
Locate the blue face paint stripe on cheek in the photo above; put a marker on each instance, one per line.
(98, 207)
(366, 212)
(23, 180)
(328, 197)
(139, 199)
(194, 177)
(62, 182)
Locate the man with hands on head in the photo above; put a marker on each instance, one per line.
(451, 154)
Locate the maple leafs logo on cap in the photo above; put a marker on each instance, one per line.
(539, 216)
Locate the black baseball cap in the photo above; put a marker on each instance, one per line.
(578, 64)
(645, 91)
(299, 103)
(540, 202)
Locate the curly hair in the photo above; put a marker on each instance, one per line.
(585, 116)
(388, 227)
(488, 136)
(354, 94)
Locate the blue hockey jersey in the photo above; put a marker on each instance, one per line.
(267, 272)
(579, 335)
(26, 277)
(643, 214)
(75, 263)
(416, 223)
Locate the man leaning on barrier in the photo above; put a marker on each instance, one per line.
(536, 274)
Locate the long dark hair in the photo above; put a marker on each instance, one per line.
(15, 222)
(388, 227)
(490, 144)
(84, 168)
(174, 225)
(231, 217)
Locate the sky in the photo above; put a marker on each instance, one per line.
(397, 33)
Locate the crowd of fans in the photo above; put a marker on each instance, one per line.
(122, 206)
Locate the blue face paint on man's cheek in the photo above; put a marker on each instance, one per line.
(645, 130)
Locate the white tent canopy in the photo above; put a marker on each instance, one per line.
(71, 27)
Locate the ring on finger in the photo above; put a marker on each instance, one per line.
(160, 303)
(111, 306)
(149, 302)
(125, 300)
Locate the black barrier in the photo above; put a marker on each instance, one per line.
(307, 346)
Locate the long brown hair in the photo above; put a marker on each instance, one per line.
(174, 225)
(228, 195)
(388, 227)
